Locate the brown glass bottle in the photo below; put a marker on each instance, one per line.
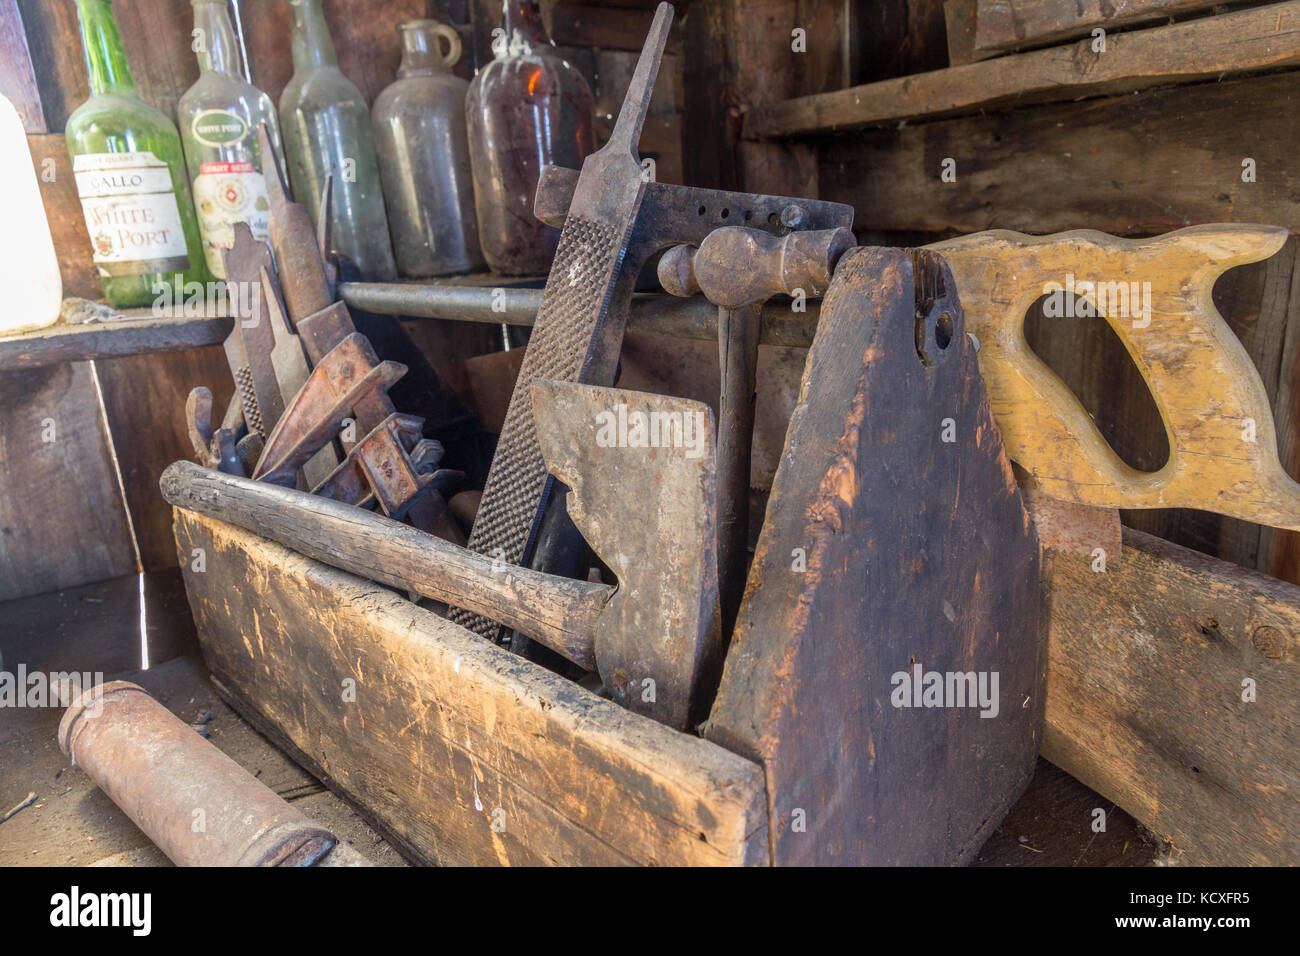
(527, 109)
(419, 123)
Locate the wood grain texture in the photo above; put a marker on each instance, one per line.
(978, 29)
(17, 78)
(1156, 296)
(1144, 698)
(132, 334)
(918, 552)
(1251, 40)
(448, 733)
(1073, 166)
(67, 221)
(144, 404)
(62, 523)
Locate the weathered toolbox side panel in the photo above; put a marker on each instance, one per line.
(1146, 664)
(462, 752)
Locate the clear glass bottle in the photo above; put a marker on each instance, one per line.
(420, 138)
(326, 128)
(130, 172)
(219, 118)
(526, 109)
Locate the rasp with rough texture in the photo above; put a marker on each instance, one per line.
(575, 305)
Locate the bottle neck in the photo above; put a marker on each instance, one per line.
(105, 57)
(312, 44)
(218, 52)
(420, 54)
(523, 23)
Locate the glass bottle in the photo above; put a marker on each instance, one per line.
(419, 123)
(219, 118)
(130, 172)
(29, 268)
(326, 129)
(526, 109)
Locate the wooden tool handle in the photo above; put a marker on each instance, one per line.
(559, 612)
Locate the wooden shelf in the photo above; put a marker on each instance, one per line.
(133, 332)
(1260, 38)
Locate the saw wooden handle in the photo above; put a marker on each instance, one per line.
(559, 612)
(1156, 294)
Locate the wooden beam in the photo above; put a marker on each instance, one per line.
(1132, 165)
(1260, 38)
(133, 334)
(1148, 663)
(978, 29)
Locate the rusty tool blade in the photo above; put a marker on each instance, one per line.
(246, 260)
(303, 278)
(644, 494)
(569, 327)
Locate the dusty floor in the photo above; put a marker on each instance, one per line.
(107, 628)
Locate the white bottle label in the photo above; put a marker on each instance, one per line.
(131, 213)
(224, 194)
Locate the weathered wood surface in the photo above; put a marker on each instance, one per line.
(67, 221)
(17, 79)
(144, 406)
(449, 734)
(1156, 296)
(1145, 697)
(978, 29)
(918, 553)
(1248, 41)
(1071, 166)
(62, 522)
(131, 334)
(560, 612)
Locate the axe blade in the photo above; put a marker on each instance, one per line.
(643, 492)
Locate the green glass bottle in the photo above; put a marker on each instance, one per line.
(327, 129)
(219, 118)
(130, 173)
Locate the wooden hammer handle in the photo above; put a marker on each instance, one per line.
(559, 612)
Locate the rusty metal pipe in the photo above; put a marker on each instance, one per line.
(199, 806)
(650, 313)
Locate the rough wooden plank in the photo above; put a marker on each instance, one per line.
(61, 517)
(978, 29)
(447, 729)
(1251, 40)
(144, 405)
(1071, 166)
(1144, 701)
(1279, 551)
(67, 221)
(886, 547)
(57, 58)
(133, 334)
(17, 79)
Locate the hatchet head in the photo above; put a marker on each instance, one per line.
(642, 490)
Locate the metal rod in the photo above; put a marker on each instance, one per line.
(692, 318)
(199, 806)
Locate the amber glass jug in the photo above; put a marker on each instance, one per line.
(527, 109)
(419, 123)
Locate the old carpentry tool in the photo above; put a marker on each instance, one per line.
(654, 639)
(572, 320)
(215, 448)
(738, 269)
(152, 765)
(1156, 294)
(615, 220)
(893, 606)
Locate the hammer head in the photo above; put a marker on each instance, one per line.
(640, 470)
